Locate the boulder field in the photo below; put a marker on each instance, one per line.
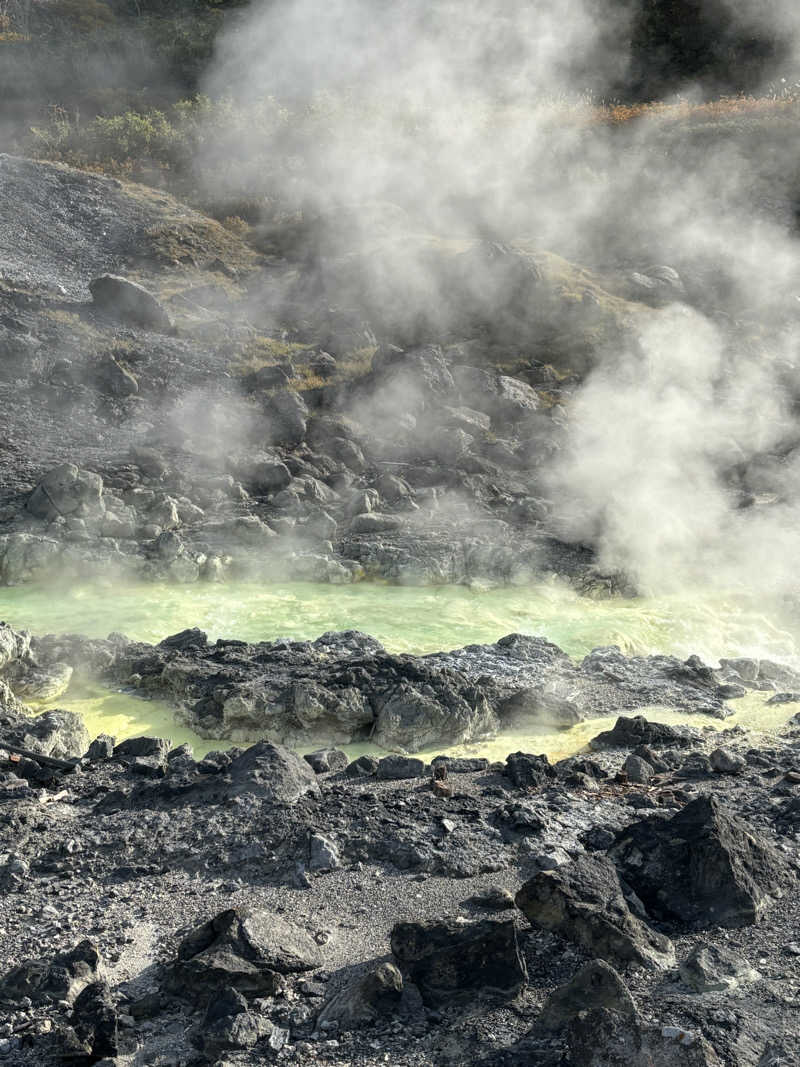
(634, 904)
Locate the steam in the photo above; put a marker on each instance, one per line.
(429, 123)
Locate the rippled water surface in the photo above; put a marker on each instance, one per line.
(407, 619)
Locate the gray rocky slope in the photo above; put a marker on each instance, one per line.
(177, 406)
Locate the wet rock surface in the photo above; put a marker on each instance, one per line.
(253, 907)
(345, 687)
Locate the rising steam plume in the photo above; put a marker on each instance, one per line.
(471, 121)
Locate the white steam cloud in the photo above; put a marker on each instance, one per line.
(431, 122)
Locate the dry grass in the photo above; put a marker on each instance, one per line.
(262, 351)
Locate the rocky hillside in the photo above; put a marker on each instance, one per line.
(242, 413)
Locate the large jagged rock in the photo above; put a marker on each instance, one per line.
(595, 985)
(606, 1038)
(364, 999)
(273, 772)
(716, 969)
(411, 719)
(705, 866)
(504, 399)
(287, 417)
(61, 977)
(39, 684)
(330, 715)
(14, 645)
(448, 959)
(61, 734)
(583, 902)
(65, 490)
(95, 1021)
(632, 731)
(527, 771)
(247, 949)
(129, 302)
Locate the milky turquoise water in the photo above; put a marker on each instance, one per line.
(405, 619)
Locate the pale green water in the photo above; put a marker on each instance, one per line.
(405, 619)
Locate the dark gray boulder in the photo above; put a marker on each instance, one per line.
(326, 760)
(129, 302)
(327, 714)
(365, 999)
(273, 772)
(725, 761)
(448, 959)
(60, 734)
(705, 866)
(637, 769)
(606, 1038)
(583, 902)
(135, 747)
(715, 969)
(397, 768)
(287, 418)
(62, 977)
(247, 949)
(527, 771)
(542, 707)
(412, 718)
(362, 767)
(95, 1021)
(595, 985)
(629, 732)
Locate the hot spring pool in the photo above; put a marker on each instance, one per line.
(409, 619)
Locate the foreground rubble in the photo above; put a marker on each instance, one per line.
(635, 904)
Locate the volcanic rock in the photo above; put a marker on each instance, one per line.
(395, 768)
(60, 734)
(447, 959)
(334, 715)
(583, 902)
(326, 760)
(273, 772)
(637, 769)
(135, 747)
(605, 1038)
(715, 969)
(705, 866)
(527, 771)
(629, 732)
(411, 719)
(64, 490)
(363, 767)
(62, 977)
(595, 985)
(541, 706)
(287, 417)
(365, 999)
(95, 1020)
(726, 761)
(129, 302)
(246, 949)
